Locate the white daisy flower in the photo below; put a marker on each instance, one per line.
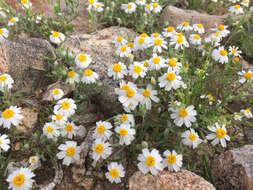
(237, 117)
(148, 94)
(21, 179)
(156, 62)
(101, 149)
(247, 113)
(140, 2)
(72, 77)
(89, 76)
(69, 130)
(245, 76)
(4, 142)
(179, 41)
(219, 135)
(195, 39)
(169, 32)
(156, 8)
(56, 37)
(202, 48)
(245, 3)
(66, 106)
(174, 64)
(126, 133)
(11, 116)
(26, 4)
(170, 80)
(4, 33)
(142, 42)
(2, 13)
(125, 118)
(38, 19)
(99, 7)
(119, 41)
(159, 44)
(57, 93)
(6, 82)
(82, 60)
(102, 130)
(234, 51)
(129, 8)
(123, 51)
(185, 26)
(117, 71)
(125, 86)
(33, 160)
(92, 4)
(51, 130)
(199, 28)
(220, 55)
(222, 30)
(148, 8)
(137, 70)
(150, 161)
(236, 9)
(12, 21)
(182, 116)
(191, 138)
(172, 160)
(59, 118)
(115, 172)
(69, 152)
(214, 39)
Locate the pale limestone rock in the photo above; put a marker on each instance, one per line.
(29, 121)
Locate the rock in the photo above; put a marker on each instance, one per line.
(48, 96)
(23, 60)
(88, 183)
(176, 16)
(29, 121)
(85, 119)
(101, 48)
(234, 169)
(165, 180)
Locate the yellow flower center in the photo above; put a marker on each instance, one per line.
(172, 159)
(217, 34)
(125, 87)
(144, 35)
(88, 72)
(171, 77)
(82, 58)
(123, 48)
(221, 133)
(248, 75)
(146, 64)
(71, 151)
(237, 116)
(156, 60)
(0, 141)
(50, 129)
(98, 5)
(146, 93)
(170, 29)
(12, 20)
(71, 74)
(196, 36)
(69, 128)
(237, 7)
(155, 5)
(19, 180)
(158, 42)
(129, 6)
(183, 113)
(99, 148)
(124, 118)
(123, 132)
(186, 24)
(56, 91)
(173, 62)
(138, 69)
(3, 78)
(223, 52)
(180, 40)
(200, 26)
(131, 45)
(234, 51)
(236, 59)
(117, 68)
(148, 6)
(221, 27)
(65, 105)
(56, 34)
(33, 160)
(156, 35)
(101, 129)
(58, 117)
(8, 113)
(192, 137)
(24, 2)
(119, 39)
(150, 161)
(130, 93)
(1, 31)
(114, 173)
(91, 2)
(248, 111)
(180, 34)
(246, 2)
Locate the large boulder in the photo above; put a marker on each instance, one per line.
(166, 180)
(101, 48)
(23, 60)
(176, 16)
(234, 169)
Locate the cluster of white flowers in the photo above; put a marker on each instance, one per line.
(95, 5)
